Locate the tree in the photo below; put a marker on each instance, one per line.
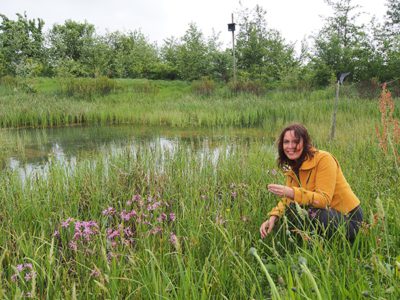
(261, 52)
(21, 46)
(132, 54)
(70, 44)
(341, 45)
(393, 17)
(192, 54)
(392, 40)
(219, 62)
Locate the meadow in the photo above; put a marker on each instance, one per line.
(125, 226)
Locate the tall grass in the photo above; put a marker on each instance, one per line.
(173, 104)
(200, 213)
(218, 203)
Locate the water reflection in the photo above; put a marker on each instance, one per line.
(29, 151)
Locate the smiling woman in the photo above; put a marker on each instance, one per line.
(315, 181)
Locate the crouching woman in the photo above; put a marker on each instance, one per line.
(315, 181)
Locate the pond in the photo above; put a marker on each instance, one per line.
(30, 151)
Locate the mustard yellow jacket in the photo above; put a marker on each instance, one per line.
(321, 185)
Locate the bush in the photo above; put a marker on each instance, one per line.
(247, 86)
(88, 87)
(369, 89)
(145, 87)
(9, 81)
(18, 83)
(203, 87)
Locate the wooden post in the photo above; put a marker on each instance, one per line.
(333, 128)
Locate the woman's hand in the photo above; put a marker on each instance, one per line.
(267, 226)
(281, 190)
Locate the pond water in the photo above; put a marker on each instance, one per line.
(30, 150)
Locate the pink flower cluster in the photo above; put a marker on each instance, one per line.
(141, 217)
(24, 271)
(82, 234)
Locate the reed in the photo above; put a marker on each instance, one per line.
(193, 244)
(173, 104)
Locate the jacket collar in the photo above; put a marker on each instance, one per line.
(307, 164)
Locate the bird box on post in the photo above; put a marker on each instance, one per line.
(231, 26)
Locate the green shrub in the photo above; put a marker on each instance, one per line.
(18, 83)
(88, 87)
(369, 89)
(247, 86)
(9, 81)
(203, 87)
(145, 87)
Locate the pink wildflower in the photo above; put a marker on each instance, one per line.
(110, 211)
(20, 267)
(153, 206)
(172, 217)
(73, 246)
(56, 233)
(65, 224)
(112, 234)
(125, 216)
(95, 273)
(173, 239)
(128, 232)
(29, 275)
(136, 198)
(14, 277)
(156, 230)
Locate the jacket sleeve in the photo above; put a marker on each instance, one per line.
(325, 182)
(279, 210)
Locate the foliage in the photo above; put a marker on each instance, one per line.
(87, 88)
(369, 52)
(247, 86)
(144, 87)
(369, 89)
(341, 45)
(203, 87)
(261, 52)
(133, 56)
(145, 223)
(192, 54)
(389, 135)
(21, 43)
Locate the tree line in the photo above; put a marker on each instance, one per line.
(370, 52)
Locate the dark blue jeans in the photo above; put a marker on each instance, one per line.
(326, 221)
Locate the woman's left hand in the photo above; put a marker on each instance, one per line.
(281, 190)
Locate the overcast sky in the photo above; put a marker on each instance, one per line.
(160, 19)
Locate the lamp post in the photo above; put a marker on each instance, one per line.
(231, 27)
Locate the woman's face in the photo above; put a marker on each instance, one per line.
(292, 146)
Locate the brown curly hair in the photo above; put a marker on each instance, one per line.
(300, 132)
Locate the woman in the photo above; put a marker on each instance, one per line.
(315, 180)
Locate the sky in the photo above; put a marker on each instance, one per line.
(161, 19)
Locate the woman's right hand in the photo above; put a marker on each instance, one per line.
(267, 226)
